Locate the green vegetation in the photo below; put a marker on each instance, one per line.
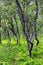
(18, 55)
(21, 32)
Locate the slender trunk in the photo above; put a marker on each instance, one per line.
(35, 22)
(0, 29)
(18, 40)
(9, 40)
(21, 15)
(0, 37)
(18, 35)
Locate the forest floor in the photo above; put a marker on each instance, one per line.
(18, 55)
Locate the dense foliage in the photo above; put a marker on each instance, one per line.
(21, 30)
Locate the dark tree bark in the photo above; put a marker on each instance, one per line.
(0, 29)
(12, 27)
(35, 22)
(21, 15)
(15, 32)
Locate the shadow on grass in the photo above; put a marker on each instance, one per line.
(38, 55)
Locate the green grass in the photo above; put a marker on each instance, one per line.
(18, 55)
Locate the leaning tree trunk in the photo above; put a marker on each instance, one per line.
(0, 37)
(17, 31)
(35, 22)
(0, 29)
(9, 40)
(21, 15)
(28, 35)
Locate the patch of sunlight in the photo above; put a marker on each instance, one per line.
(23, 41)
(4, 41)
(3, 63)
(13, 41)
